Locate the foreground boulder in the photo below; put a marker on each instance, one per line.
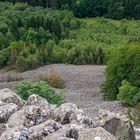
(77, 132)
(36, 119)
(17, 119)
(117, 124)
(43, 130)
(8, 96)
(53, 131)
(96, 134)
(36, 111)
(6, 110)
(37, 132)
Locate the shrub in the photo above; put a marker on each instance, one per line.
(23, 64)
(59, 55)
(25, 89)
(4, 56)
(53, 79)
(128, 94)
(123, 64)
(3, 27)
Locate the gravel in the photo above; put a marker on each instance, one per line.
(82, 85)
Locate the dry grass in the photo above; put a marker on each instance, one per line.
(53, 79)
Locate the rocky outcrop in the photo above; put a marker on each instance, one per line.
(69, 113)
(36, 119)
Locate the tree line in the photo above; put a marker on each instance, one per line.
(116, 9)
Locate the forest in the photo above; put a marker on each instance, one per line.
(34, 36)
(116, 9)
(38, 32)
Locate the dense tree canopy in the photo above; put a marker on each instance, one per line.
(34, 36)
(116, 9)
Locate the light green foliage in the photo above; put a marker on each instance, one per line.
(59, 55)
(25, 89)
(123, 64)
(128, 94)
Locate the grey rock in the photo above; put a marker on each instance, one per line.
(137, 130)
(6, 110)
(95, 134)
(36, 100)
(117, 124)
(35, 111)
(42, 130)
(17, 119)
(69, 113)
(17, 133)
(8, 96)
(77, 132)
(67, 132)
(28, 116)
(3, 127)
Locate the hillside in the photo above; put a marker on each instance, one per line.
(34, 36)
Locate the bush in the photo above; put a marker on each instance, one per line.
(128, 94)
(25, 89)
(124, 64)
(4, 57)
(59, 55)
(53, 79)
(23, 64)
